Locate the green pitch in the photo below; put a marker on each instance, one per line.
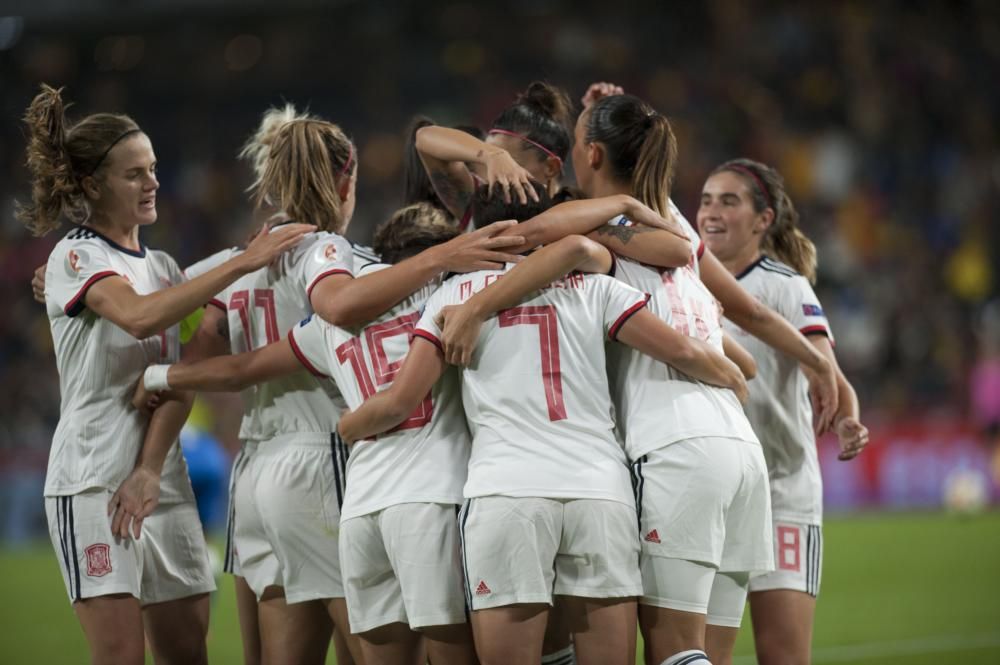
(908, 589)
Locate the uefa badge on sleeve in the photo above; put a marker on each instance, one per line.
(76, 260)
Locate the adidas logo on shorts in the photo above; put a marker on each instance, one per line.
(482, 589)
(652, 537)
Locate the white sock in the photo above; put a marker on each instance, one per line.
(565, 656)
(692, 657)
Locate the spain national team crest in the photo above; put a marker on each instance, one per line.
(98, 560)
(330, 252)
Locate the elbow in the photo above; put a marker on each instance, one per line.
(141, 327)
(420, 138)
(337, 314)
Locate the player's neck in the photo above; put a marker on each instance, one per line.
(604, 188)
(740, 261)
(125, 235)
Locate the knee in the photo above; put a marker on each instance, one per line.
(120, 649)
(182, 652)
(772, 650)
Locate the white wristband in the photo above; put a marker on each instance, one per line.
(155, 378)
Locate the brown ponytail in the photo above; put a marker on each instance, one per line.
(59, 159)
(783, 240)
(640, 146)
(307, 161)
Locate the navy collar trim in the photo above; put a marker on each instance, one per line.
(749, 268)
(140, 253)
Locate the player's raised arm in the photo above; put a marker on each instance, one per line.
(422, 367)
(113, 298)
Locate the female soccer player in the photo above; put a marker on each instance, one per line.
(113, 305)
(549, 509)
(399, 544)
(748, 221)
(287, 522)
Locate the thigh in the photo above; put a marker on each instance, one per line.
(93, 562)
(509, 547)
(725, 613)
(511, 634)
(113, 627)
(246, 610)
(373, 594)
(677, 584)
(296, 633)
(297, 499)
(175, 555)
(598, 553)
(423, 547)
(392, 644)
(176, 630)
(603, 629)
(782, 625)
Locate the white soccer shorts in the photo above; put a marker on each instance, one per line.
(231, 559)
(403, 564)
(798, 557)
(287, 525)
(525, 550)
(704, 500)
(169, 560)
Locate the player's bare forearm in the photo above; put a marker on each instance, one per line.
(569, 218)
(235, 372)
(847, 404)
(345, 301)
(445, 153)
(384, 410)
(164, 427)
(538, 270)
(379, 413)
(647, 333)
(739, 355)
(654, 247)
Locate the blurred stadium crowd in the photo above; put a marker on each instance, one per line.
(881, 116)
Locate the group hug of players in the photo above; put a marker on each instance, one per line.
(476, 441)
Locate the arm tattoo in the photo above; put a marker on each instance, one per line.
(623, 233)
(222, 328)
(453, 193)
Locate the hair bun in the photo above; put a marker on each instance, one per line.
(550, 100)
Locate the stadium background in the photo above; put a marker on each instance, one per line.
(881, 116)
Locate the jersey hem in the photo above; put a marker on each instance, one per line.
(625, 316)
(348, 513)
(75, 305)
(319, 277)
(636, 453)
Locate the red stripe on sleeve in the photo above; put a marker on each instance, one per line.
(301, 356)
(626, 315)
(701, 249)
(215, 302)
(335, 271)
(75, 306)
(419, 332)
(818, 330)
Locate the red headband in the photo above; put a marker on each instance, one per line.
(760, 184)
(527, 140)
(350, 158)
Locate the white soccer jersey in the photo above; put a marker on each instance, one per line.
(99, 434)
(424, 459)
(779, 406)
(262, 307)
(657, 404)
(364, 257)
(536, 395)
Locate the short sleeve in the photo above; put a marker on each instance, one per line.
(330, 254)
(802, 308)
(72, 269)
(427, 327)
(621, 301)
(308, 341)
